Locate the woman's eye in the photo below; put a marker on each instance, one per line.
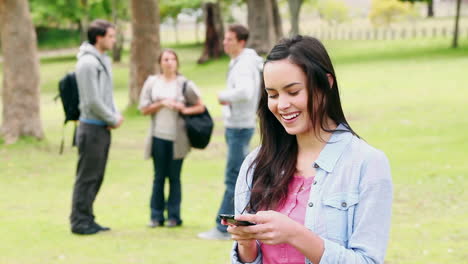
(272, 95)
(294, 93)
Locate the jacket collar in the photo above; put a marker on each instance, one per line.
(334, 148)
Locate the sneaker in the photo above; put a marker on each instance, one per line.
(101, 228)
(85, 230)
(173, 223)
(214, 234)
(155, 223)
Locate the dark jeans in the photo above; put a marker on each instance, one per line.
(165, 166)
(237, 140)
(93, 144)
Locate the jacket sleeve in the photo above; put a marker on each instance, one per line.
(241, 199)
(371, 225)
(246, 78)
(88, 84)
(192, 94)
(145, 94)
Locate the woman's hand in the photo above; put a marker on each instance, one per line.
(169, 103)
(271, 228)
(180, 107)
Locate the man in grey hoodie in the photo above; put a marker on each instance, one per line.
(240, 101)
(98, 116)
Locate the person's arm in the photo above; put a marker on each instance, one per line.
(244, 251)
(87, 78)
(245, 84)
(198, 108)
(371, 225)
(193, 98)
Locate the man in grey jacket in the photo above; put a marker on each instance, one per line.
(240, 101)
(98, 116)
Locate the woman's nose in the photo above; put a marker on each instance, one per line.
(283, 103)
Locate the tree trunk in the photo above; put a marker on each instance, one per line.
(145, 46)
(264, 24)
(277, 24)
(294, 11)
(20, 93)
(455, 30)
(430, 8)
(84, 21)
(176, 30)
(118, 46)
(214, 34)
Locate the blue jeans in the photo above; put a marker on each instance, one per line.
(165, 166)
(237, 140)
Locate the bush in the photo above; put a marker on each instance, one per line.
(333, 11)
(385, 12)
(53, 38)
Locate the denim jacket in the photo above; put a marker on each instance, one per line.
(349, 204)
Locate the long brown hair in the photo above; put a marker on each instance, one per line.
(276, 160)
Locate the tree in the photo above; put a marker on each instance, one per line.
(430, 6)
(145, 46)
(264, 23)
(294, 11)
(20, 93)
(119, 11)
(214, 32)
(385, 12)
(457, 21)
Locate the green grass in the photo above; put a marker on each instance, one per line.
(407, 98)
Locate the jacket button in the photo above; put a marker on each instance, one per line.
(311, 204)
(344, 204)
(316, 165)
(315, 182)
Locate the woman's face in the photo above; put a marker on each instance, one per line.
(286, 85)
(168, 62)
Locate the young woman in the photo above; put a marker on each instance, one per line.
(163, 99)
(316, 191)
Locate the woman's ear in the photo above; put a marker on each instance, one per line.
(331, 81)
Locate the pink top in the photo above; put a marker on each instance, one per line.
(295, 207)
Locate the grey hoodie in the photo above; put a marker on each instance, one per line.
(243, 90)
(95, 86)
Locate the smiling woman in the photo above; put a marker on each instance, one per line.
(312, 185)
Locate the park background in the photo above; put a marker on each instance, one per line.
(403, 87)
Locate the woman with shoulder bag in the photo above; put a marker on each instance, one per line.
(162, 98)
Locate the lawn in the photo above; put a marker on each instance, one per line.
(407, 98)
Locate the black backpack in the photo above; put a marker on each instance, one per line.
(68, 93)
(199, 127)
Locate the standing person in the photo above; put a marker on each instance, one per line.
(240, 101)
(316, 191)
(162, 98)
(98, 116)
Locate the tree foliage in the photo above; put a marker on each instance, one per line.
(385, 12)
(333, 11)
(65, 13)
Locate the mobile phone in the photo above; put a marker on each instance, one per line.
(230, 219)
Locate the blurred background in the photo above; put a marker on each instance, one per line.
(402, 72)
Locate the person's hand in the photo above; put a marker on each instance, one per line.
(271, 228)
(120, 120)
(178, 106)
(222, 102)
(169, 103)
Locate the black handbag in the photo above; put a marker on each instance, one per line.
(199, 126)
